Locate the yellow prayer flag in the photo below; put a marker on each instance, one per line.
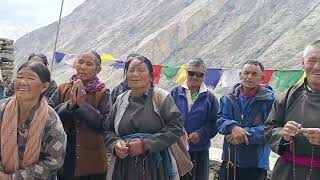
(182, 75)
(107, 58)
(302, 78)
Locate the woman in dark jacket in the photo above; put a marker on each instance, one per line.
(139, 131)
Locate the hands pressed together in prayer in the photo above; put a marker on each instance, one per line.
(292, 128)
(238, 136)
(133, 147)
(77, 94)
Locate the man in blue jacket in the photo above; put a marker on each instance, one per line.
(199, 109)
(241, 119)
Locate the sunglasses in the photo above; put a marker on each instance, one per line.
(195, 74)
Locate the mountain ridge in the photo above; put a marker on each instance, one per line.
(223, 32)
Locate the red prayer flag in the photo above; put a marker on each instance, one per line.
(157, 69)
(267, 76)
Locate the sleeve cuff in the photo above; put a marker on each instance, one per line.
(111, 148)
(231, 127)
(284, 146)
(63, 110)
(66, 107)
(84, 108)
(201, 133)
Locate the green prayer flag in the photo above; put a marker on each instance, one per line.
(170, 72)
(287, 78)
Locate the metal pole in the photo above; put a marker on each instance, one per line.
(56, 41)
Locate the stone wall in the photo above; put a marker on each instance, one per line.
(6, 61)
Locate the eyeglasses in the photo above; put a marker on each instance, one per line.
(195, 74)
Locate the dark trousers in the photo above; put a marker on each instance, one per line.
(200, 171)
(241, 173)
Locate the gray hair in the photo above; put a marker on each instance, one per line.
(198, 62)
(315, 44)
(97, 57)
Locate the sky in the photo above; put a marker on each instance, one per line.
(18, 17)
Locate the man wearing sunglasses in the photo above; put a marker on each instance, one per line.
(241, 118)
(199, 108)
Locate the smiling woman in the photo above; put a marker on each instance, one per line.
(32, 135)
(28, 85)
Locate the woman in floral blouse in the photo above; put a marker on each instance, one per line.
(33, 141)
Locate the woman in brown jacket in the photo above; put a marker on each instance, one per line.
(83, 104)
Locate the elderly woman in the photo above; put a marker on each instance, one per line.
(83, 104)
(139, 131)
(33, 141)
(123, 86)
(41, 58)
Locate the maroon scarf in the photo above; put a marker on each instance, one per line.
(91, 86)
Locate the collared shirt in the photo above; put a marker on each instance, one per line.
(203, 88)
(311, 90)
(251, 92)
(308, 87)
(145, 93)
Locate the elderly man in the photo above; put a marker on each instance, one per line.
(243, 112)
(293, 126)
(199, 110)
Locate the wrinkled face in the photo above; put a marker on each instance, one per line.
(311, 64)
(251, 76)
(36, 59)
(138, 75)
(86, 67)
(195, 77)
(28, 86)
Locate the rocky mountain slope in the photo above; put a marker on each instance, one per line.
(223, 32)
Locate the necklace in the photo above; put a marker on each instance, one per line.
(22, 129)
(294, 155)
